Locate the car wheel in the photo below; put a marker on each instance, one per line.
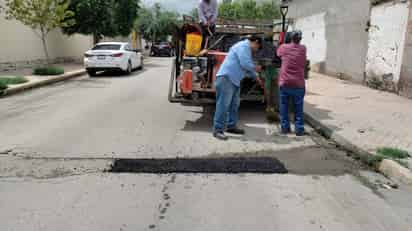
(129, 68)
(141, 64)
(91, 73)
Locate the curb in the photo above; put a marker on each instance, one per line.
(387, 167)
(25, 87)
(393, 170)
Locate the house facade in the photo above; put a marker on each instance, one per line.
(364, 41)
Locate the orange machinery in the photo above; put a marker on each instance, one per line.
(194, 69)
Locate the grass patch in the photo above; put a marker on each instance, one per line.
(48, 71)
(10, 80)
(393, 153)
(3, 86)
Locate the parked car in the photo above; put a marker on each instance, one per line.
(112, 56)
(162, 49)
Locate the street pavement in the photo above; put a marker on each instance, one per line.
(125, 116)
(57, 142)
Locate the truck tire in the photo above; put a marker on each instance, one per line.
(141, 64)
(129, 68)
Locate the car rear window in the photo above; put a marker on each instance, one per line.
(107, 47)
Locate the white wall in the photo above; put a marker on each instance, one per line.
(387, 39)
(19, 43)
(314, 36)
(344, 23)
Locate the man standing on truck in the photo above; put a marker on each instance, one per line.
(208, 11)
(292, 82)
(237, 64)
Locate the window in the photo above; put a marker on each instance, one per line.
(127, 47)
(107, 47)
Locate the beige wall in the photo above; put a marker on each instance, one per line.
(19, 43)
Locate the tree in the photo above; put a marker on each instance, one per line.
(103, 17)
(249, 9)
(42, 16)
(268, 10)
(195, 14)
(125, 12)
(156, 23)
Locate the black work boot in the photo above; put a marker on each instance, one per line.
(220, 136)
(236, 131)
(285, 131)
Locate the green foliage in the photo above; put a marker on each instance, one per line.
(125, 14)
(156, 23)
(249, 9)
(393, 153)
(102, 17)
(195, 14)
(91, 17)
(9, 80)
(2, 86)
(48, 71)
(42, 16)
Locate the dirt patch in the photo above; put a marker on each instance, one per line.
(231, 165)
(49, 168)
(310, 160)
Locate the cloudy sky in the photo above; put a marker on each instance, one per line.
(181, 6)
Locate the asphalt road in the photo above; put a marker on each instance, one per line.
(58, 141)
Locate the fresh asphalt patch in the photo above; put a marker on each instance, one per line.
(263, 165)
(323, 159)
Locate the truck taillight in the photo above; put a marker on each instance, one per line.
(117, 55)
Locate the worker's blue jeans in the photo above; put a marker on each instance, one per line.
(227, 104)
(297, 95)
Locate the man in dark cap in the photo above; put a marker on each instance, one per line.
(292, 82)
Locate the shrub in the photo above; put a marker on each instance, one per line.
(8, 80)
(3, 86)
(393, 153)
(48, 71)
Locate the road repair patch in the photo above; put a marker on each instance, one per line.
(265, 165)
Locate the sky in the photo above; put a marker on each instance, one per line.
(181, 6)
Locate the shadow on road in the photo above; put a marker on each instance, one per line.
(154, 65)
(118, 74)
(321, 115)
(252, 118)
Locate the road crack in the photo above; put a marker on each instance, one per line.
(164, 204)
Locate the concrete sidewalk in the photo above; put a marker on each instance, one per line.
(357, 117)
(71, 71)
